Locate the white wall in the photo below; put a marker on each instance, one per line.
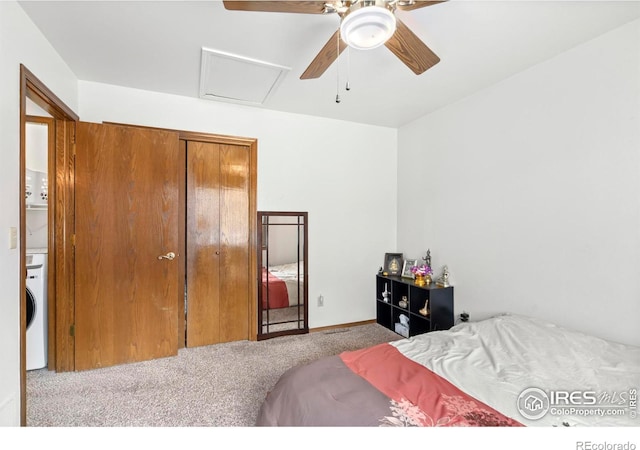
(530, 191)
(20, 42)
(342, 173)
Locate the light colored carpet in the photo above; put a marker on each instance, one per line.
(219, 385)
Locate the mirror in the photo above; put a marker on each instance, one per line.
(282, 265)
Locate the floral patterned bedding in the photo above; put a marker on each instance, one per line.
(422, 398)
(361, 388)
(471, 375)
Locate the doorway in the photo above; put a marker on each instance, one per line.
(59, 258)
(39, 145)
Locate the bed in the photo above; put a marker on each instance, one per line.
(509, 370)
(281, 285)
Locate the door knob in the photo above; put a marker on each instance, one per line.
(170, 256)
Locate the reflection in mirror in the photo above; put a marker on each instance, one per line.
(282, 263)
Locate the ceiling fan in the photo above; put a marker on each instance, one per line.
(364, 24)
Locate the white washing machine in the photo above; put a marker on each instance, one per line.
(36, 299)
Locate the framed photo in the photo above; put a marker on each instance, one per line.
(406, 268)
(392, 263)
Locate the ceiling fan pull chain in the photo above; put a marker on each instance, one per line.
(348, 87)
(337, 69)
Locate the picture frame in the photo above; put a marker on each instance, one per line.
(393, 264)
(406, 268)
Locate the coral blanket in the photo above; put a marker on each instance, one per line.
(422, 398)
(274, 291)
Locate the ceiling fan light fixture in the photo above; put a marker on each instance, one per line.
(368, 27)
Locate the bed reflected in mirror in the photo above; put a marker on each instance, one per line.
(282, 265)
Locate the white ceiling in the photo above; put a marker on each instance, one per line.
(156, 45)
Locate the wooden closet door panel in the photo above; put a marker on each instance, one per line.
(203, 245)
(235, 245)
(127, 207)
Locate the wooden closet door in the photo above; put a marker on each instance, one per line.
(203, 244)
(127, 215)
(218, 243)
(234, 243)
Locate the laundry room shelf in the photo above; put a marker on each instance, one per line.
(37, 206)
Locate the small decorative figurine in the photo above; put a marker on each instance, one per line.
(443, 280)
(394, 266)
(404, 303)
(427, 259)
(386, 294)
(425, 310)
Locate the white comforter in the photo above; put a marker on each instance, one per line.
(495, 360)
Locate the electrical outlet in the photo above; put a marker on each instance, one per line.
(320, 300)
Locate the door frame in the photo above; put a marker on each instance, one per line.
(60, 250)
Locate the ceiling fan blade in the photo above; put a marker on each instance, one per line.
(325, 58)
(411, 50)
(409, 5)
(305, 7)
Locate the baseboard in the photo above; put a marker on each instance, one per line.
(9, 413)
(344, 325)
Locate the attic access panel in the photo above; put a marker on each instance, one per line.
(236, 79)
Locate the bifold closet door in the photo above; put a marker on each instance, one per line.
(218, 243)
(128, 281)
